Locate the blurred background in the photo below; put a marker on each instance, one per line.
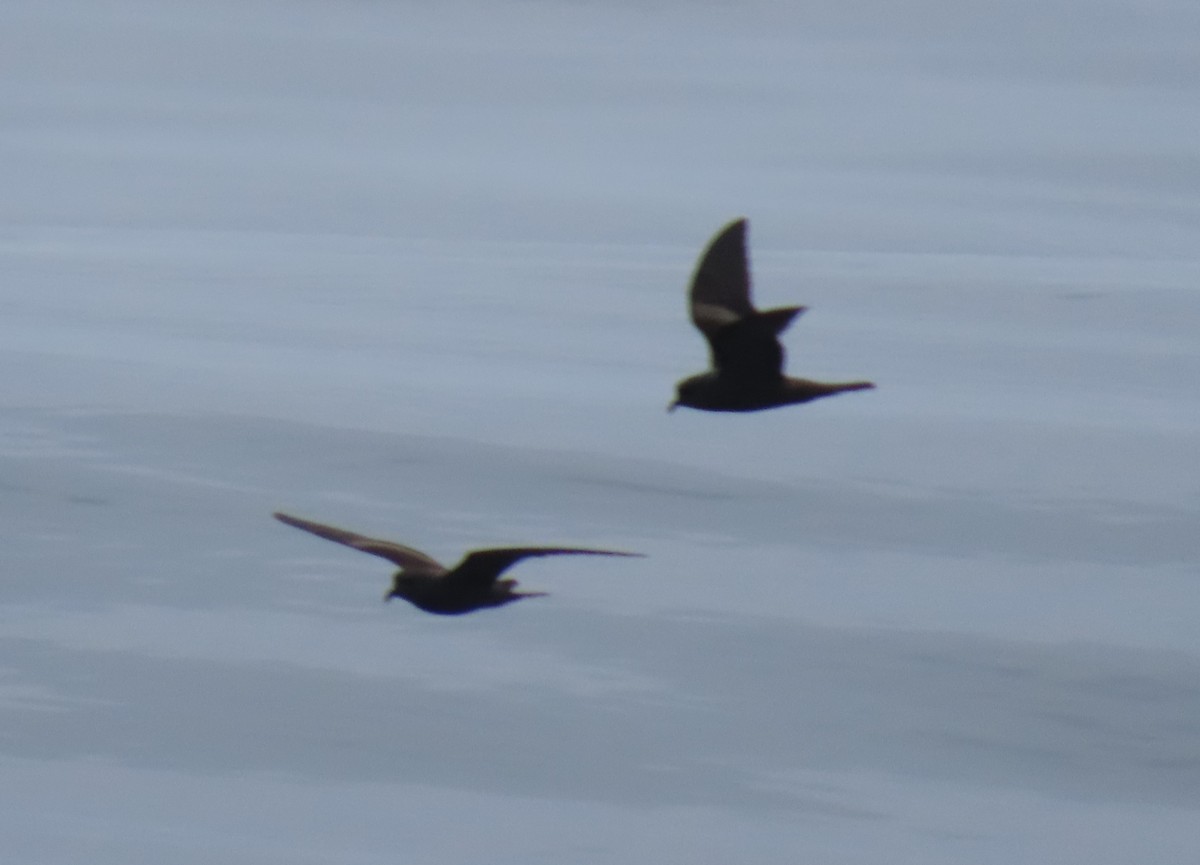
(420, 271)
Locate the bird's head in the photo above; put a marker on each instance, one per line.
(689, 392)
(403, 586)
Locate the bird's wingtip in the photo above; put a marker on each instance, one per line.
(741, 223)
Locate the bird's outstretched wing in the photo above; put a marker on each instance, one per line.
(720, 292)
(405, 557)
(480, 568)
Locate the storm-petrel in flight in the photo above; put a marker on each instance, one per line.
(747, 358)
(422, 581)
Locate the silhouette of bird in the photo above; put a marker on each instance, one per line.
(425, 583)
(747, 358)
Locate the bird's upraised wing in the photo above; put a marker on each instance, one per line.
(405, 557)
(745, 342)
(720, 292)
(480, 568)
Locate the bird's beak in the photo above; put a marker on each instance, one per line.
(672, 405)
(389, 596)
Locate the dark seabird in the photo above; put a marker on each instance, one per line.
(425, 583)
(747, 357)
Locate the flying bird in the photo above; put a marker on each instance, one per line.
(425, 583)
(747, 357)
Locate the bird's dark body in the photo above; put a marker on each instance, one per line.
(747, 357)
(472, 584)
(432, 594)
(714, 392)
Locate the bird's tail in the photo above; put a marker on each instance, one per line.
(803, 390)
(509, 588)
(844, 386)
